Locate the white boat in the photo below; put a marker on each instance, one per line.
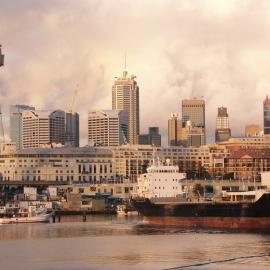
(30, 215)
(124, 210)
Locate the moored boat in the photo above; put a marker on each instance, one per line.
(126, 210)
(30, 215)
(162, 200)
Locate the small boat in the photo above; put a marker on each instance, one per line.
(30, 215)
(126, 210)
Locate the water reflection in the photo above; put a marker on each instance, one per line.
(109, 242)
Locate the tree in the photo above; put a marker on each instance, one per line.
(198, 190)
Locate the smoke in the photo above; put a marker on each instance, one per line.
(178, 49)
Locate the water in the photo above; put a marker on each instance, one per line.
(105, 242)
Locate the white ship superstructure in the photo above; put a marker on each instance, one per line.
(161, 181)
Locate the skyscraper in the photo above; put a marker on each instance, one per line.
(72, 137)
(152, 138)
(125, 96)
(41, 128)
(223, 131)
(266, 116)
(193, 110)
(174, 129)
(107, 127)
(15, 120)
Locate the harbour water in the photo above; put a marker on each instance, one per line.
(110, 242)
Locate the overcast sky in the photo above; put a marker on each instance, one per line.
(219, 50)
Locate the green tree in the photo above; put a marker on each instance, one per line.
(198, 190)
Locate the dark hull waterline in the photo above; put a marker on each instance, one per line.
(247, 223)
(219, 215)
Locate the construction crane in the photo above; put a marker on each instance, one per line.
(2, 131)
(1, 57)
(73, 99)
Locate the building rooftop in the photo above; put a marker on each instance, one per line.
(109, 113)
(64, 151)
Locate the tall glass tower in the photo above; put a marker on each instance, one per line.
(266, 116)
(193, 114)
(15, 118)
(223, 131)
(125, 96)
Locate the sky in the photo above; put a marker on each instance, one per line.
(215, 49)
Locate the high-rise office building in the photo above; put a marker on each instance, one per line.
(223, 131)
(152, 138)
(125, 96)
(15, 123)
(108, 127)
(193, 110)
(72, 137)
(266, 116)
(174, 130)
(193, 136)
(253, 130)
(40, 128)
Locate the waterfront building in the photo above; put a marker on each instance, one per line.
(118, 189)
(56, 165)
(253, 130)
(41, 128)
(125, 96)
(152, 138)
(247, 164)
(193, 110)
(132, 160)
(252, 143)
(107, 127)
(174, 130)
(266, 116)
(125, 163)
(15, 123)
(72, 136)
(223, 131)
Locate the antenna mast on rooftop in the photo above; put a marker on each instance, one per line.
(125, 66)
(2, 134)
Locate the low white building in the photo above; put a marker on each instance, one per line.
(57, 165)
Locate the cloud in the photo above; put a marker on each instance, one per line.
(178, 49)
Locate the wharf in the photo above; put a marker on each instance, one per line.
(84, 212)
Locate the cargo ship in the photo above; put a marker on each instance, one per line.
(162, 200)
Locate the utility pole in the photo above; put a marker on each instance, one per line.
(1, 57)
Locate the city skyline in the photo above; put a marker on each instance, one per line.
(53, 49)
